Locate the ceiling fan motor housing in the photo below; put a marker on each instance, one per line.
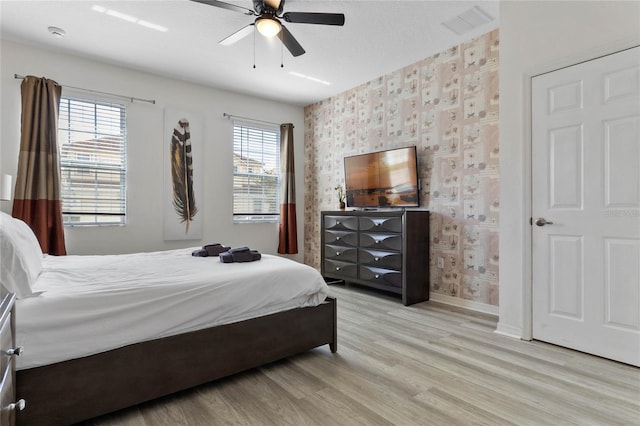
(266, 7)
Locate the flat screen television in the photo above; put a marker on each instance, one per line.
(383, 179)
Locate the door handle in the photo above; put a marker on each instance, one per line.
(542, 222)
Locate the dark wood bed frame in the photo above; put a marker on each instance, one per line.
(71, 391)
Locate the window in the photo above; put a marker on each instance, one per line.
(256, 172)
(92, 140)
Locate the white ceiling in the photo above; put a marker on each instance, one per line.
(378, 37)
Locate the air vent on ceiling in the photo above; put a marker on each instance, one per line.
(468, 20)
(57, 32)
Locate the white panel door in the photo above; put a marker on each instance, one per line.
(586, 206)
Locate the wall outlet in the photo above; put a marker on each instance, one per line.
(441, 262)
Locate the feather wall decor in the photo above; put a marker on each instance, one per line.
(182, 173)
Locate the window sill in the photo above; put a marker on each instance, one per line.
(91, 225)
(256, 219)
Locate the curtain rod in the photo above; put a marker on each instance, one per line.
(229, 116)
(130, 98)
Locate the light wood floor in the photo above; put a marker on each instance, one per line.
(426, 364)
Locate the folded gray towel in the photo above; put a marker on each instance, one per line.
(240, 254)
(200, 253)
(215, 249)
(210, 250)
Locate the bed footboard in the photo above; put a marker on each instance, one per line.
(79, 389)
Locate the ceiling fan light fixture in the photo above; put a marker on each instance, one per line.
(268, 26)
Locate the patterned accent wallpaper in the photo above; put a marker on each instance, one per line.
(447, 106)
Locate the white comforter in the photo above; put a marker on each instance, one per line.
(91, 304)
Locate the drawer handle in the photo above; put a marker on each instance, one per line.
(337, 238)
(337, 253)
(338, 222)
(377, 224)
(17, 406)
(377, 241)
(377, 276)
(17, 351)
(337, 268)
(376, 259)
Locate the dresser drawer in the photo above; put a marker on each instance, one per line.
(380, 259)
(381, 276)
(7, 397)
(344, 270)
(382, 224)
(341, 238)
(344, 254)
(341, 223)
(381, 241)
(6, 342)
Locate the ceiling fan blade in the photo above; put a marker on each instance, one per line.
(238, 35)
(290, 42)
(314, 18)
(228, 6)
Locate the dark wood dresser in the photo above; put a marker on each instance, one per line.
(386, 250)
(8, 351)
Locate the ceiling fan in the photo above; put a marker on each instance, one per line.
(268, 21)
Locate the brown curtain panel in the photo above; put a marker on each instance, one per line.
(37, 193)
(288, 228)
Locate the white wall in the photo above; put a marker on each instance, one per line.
(536, 37)
(144, 229)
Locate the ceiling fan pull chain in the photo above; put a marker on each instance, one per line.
(254, 47)
(281, 55)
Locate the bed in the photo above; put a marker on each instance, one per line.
(101, 333)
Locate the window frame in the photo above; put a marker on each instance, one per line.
(111, 170)
(273, 132)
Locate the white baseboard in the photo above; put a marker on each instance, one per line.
(509, 331)
(464, 303)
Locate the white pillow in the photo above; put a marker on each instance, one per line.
(20, 256)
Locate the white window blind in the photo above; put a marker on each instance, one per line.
(256, 172)
(92, 141)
